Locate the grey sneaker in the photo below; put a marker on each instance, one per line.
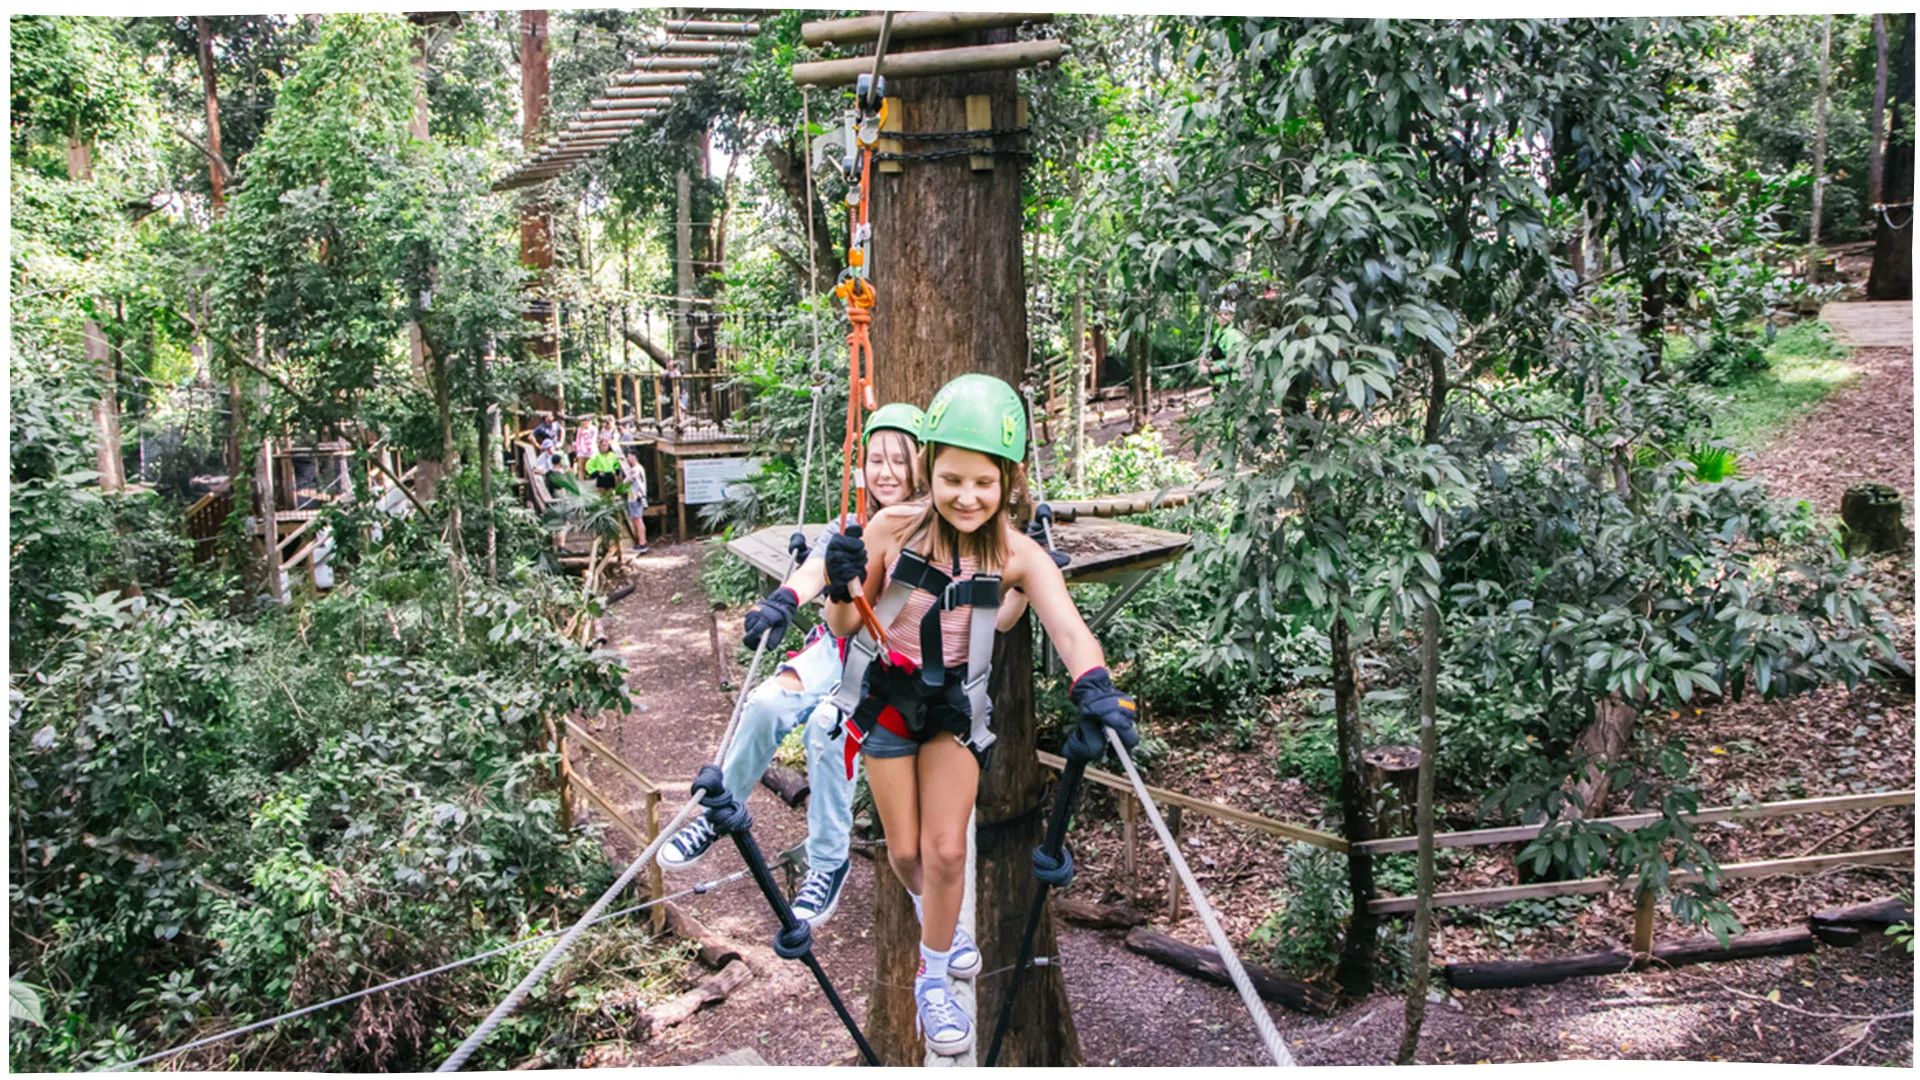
(940, 1018)
(688, 845)
(964, 961)
(819, 894)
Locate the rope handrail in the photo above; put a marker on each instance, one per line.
(703, 887)
(1276, 1046)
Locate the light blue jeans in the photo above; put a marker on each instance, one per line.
(771, 714)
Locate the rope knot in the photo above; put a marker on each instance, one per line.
(1057, 872)
(724, 812)
(794, 943)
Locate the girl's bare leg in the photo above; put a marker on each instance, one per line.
(895, 786)
(949, 780)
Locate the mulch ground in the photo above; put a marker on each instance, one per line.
(1834, 1005)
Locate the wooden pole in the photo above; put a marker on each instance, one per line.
(1130, 833)
(1173, 879)
(1644, 910)
(907, 65)
(911, 24)
(1077, 424)
(656, 883)
(1877, 119)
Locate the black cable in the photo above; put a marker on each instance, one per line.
(1049, 867)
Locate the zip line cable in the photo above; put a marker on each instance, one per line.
(703, 887)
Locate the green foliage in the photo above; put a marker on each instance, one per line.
(70, 77)
(1304, 936)
(1804, 365)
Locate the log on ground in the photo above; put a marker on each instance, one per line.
(1509, 974)
(713, 988)
(1848, 926)
(1204, 963)
(1098, 916)
(792, 787)
(715, 951)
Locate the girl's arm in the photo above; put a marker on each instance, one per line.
(880, 536)
(809, 581)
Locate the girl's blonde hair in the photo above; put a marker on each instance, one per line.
(986, 545)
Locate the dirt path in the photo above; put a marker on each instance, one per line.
(1863, 432)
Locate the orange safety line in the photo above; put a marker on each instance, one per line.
(859, 295)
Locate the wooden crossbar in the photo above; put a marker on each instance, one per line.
(912, 24)
(613, 759)
(1211, 809)
(1391, 905)
(1518, 833)
(917, 65)
(613, 814)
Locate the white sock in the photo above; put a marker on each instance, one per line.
(934, 964)
(917, 916)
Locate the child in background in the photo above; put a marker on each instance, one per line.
(583, 441)
(604, 467)
(635, 478)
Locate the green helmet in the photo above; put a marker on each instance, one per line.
(897, 415)
(978, 412)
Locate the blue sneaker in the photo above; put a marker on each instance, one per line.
(687, 846)
(819, 894)
(940, 1018)
(964, 961)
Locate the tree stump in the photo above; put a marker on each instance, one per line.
(1393, 774)
(1873, 516)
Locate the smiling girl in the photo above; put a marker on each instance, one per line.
(936, 575)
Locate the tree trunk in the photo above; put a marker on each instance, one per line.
(209, 86)
(1892, 276)
(936, 224)
(536, 223)
(1820, 133)
(1355, 973)
(683, 268)
(1872, 515)
(429, 370)
(99, 353)
(1421, 952)
(1139, 349)
(1877, 119)
(647, 345)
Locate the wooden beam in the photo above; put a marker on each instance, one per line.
(1508, 974)
(1211, 809)
(1391, 905)
(608, 104)
(704, 48)
(654, 78)
(613, 759)
(1629, 822)
(919, 65)
(619, 819)
(912, 24)
(1205, 963)
(669, 63)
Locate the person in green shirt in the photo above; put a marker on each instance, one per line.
(604, 467)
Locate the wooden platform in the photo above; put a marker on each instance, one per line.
(1874, 324)
(1101, 550)
(734, 1057)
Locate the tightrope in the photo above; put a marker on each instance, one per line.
(703, 887)
(692, 806)
(1262, 1020)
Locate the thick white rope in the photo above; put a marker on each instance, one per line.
(806, 470)
(1276, 1046)
(519, 993)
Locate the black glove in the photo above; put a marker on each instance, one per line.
(770, 617)
(1037, 532)
(846, 563)
(797, 547)
(1101, 707)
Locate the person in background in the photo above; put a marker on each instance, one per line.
(546, 430)
(635, 478)
(604, 468)
(583, 443)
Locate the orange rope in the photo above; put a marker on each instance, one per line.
(859, 295)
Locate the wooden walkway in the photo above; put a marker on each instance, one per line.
(1871, 324)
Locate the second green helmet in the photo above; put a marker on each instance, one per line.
(978, 412)
(899, 416)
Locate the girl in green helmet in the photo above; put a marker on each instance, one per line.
(919, 721)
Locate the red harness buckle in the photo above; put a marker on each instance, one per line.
(889, 718)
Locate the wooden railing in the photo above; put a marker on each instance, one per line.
(642, 834)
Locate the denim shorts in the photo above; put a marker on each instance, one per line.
(882, 743)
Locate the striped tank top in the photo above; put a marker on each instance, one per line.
(903, 636)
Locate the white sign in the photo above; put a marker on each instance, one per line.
(709, 478)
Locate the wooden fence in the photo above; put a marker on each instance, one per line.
(641, 834)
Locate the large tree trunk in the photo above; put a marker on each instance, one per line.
(936, 224)
(99, 353)
(1355, 973)
(536, 222)
(429, 370)
(1877, 119)
(1892, 277)
(210, 87)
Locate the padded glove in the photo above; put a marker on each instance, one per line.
(1037, 532)
(770, 617)
(846, 563)
(1101, 707)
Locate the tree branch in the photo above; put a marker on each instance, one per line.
(218, 161)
